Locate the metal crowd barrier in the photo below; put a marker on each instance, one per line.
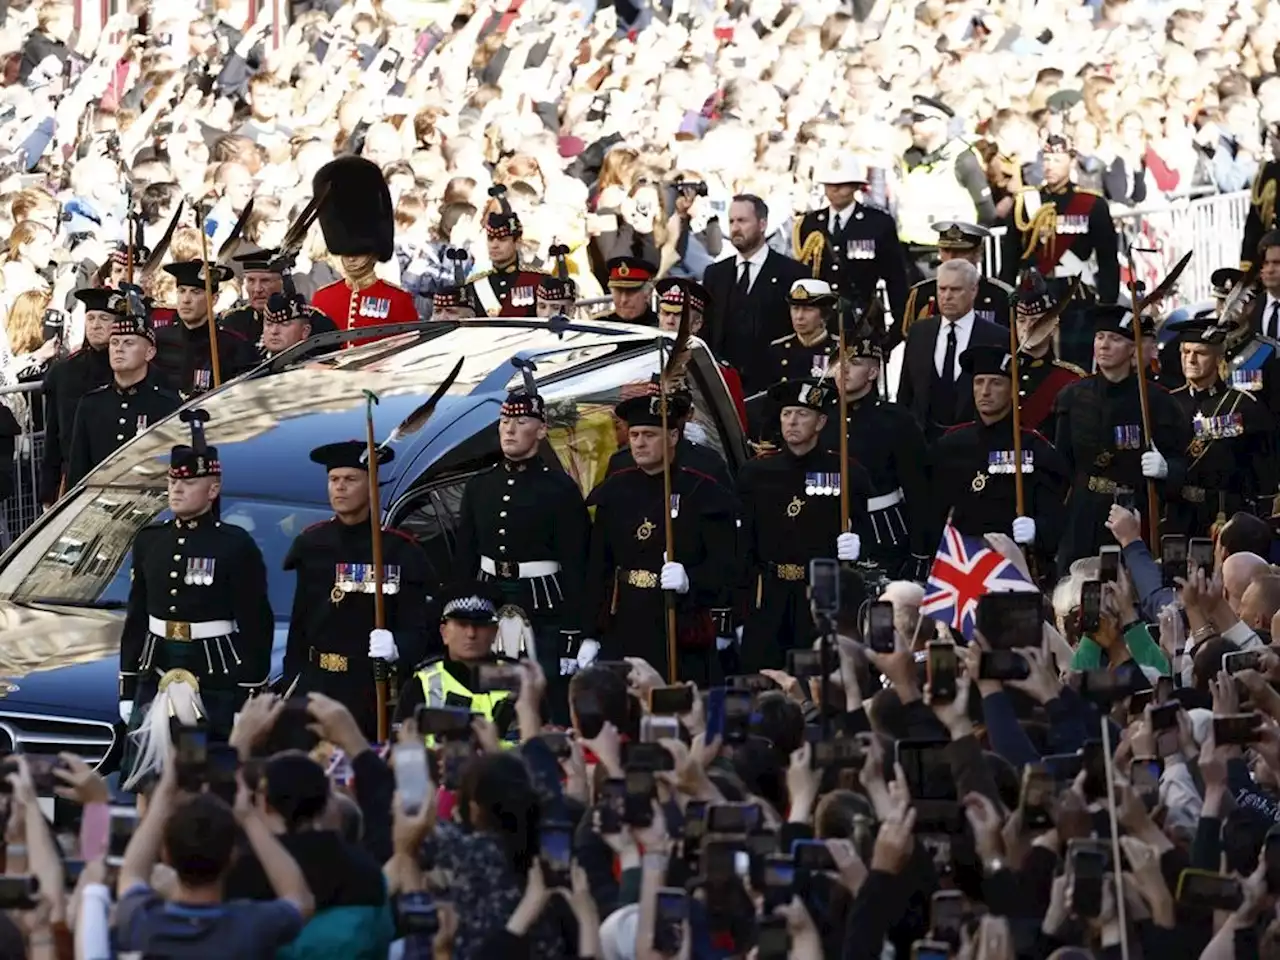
(20, 511)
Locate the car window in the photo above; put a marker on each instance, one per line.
(83, 555)
(432, 517)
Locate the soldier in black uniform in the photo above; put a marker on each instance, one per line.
(791, 515)
(973, 465)
(112, 415)
(183, 356)
(956, 241)
(1064, 231)
(1099, 433)
(524, 526)
(626, 573)
(450, 303)
(556, 296)
(70, 379)
(850, 245)
(631, 286)
(806, 352)
(696, 456)
(1231, 457)
(1041, 375)
(332, 638)
(198, 610)
(887, 440)
(262, 274)
(1261, 218)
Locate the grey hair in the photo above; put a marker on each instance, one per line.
(964, 270)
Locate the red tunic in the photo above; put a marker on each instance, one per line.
(734, 383)
(378, 303)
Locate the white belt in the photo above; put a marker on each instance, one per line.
(177, 630)
(510, 570)
(876, 504)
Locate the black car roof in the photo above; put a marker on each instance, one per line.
(266, 423)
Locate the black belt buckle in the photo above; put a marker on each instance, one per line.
(507, 569)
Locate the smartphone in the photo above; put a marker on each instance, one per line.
(803, 664)
(1009, 621)
(773, 939)
(946, 915)
(1241, 660)
(1003, 665)
(733, 818)
(1094, 764)
(695, 823)
(558, 743)
(1091, 607)
(880, 630)
(1200, 555)
(779, 881)
(453, 756)
(122, 824)
(555, 850)
(1144, 775)
(1164, 724)
(1105, 686)
(409, 760)
(1173, 559)
(619, 667)
(612, 804)
(930, 950)
(638, 802)
(497, 677)
(725, 860)
(840, 753)
(812, 855)
(588, 714)
(1088, 869)
(18, 893)
(668, 923)
(653, 729)
(1063, 767)
(647, 756)
(1109, 564)
(671, 701)
(1209, 890)
(41, 767)
(192, 748)
(728, 715)
(447, 723)
(1037, 798)
(943, 665)
(1237, 730)
(824, 587)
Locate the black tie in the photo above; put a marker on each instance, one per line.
(1273, 323)
(744, 279)
(947, 401)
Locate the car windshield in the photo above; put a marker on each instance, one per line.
(82, 555)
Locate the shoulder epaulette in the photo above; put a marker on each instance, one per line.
(1071, 367)
(97, 389)
(700, 475)
(317, 525)
(957, 426)
(997, 282)
(478, 276)
(402, 534)
(1029, 431)
(780, 340)
(1092, 193)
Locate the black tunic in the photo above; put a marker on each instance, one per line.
(183, 358)
(693, 455)
(627, 545)
(790, 515)
(973, 477)
(789, 359)
(333, 611)
(197, 571)
(108, 417)
(64, 385)
(866, 251)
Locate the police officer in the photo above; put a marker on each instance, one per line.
(791, 515)
(695, 456)
(507, 289)
(631, 286)
(183, 357)
(806, 352)
(887, 440)
(70, 379)
(1261, 218)
(974, 465)
(1099, 433)
(523, 525)
(1231, 457)
(956, 241)
(198, 600)
(850, 245)
(112, 415)
(1065, 232)
(1041, 375)
(630, 567)
(332, 638)
(468, 628)
(262, 274)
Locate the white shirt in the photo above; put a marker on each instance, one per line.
(1268, 328)
(841, 217)
(753, 262)
(964, 328)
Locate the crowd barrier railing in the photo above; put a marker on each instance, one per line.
(23, 506)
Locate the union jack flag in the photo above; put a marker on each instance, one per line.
(965, 569)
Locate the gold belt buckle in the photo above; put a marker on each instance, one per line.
(1101, 485)
(790, 571)
(1193, 494)
(507, 569)
(643, 579)
(177, 630)
(332, 662)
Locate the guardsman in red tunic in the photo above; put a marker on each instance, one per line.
(358, 221)
(506, 290)
(1041, 375)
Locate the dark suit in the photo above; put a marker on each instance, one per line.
(919, 373)
(739, 329)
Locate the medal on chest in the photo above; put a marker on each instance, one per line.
(1128, 436)
(141, 424)
(979, 482)
(794, 507)
(199, 572)
(377, 308)
(645, 530)
(202, 379)
(821, 484)
(361, 578)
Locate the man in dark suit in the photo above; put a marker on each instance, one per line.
(850, 245)
(933, 385)
(749, 295)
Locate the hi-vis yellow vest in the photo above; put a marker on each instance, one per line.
(931, 192)
(438, 683)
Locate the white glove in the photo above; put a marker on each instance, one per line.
(382, 646)
(126, 710)
(1024, 530)
(1154, 465)
(588, 650)
(848, 546)
(724, 643)
(674, 577)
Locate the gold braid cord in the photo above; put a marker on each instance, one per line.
(810, 251)
(1041, 228)
(1264, 198)
(358, 279)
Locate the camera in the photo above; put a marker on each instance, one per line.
(696, 187)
